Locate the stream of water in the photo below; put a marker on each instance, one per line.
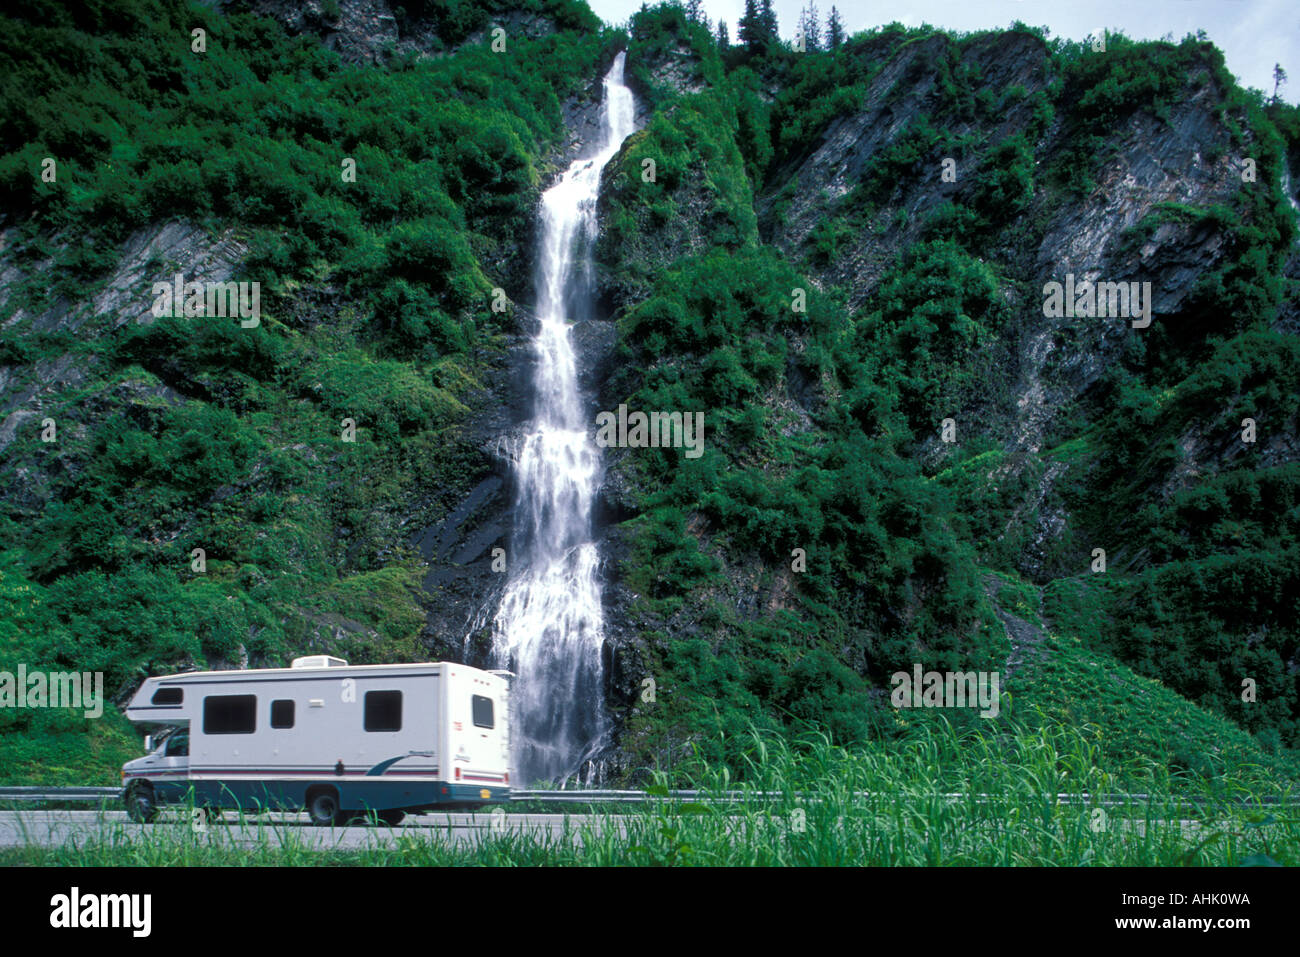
(549, 626)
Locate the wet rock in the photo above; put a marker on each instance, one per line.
(373, 31)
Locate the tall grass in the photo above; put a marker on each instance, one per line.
(943, 797)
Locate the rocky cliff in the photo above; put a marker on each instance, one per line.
(1020, 165)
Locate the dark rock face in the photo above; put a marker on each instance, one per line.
(149, 255)
(370, 31)
(582, 118)
(1288, 315)
(676, 71)
(903, 91)
(1187, 159)
(1157, 163)
(594, 341)
(358, 30)
(627, 265)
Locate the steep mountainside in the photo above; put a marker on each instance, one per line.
(839, 257)
(925, 302)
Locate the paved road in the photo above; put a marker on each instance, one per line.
(58, 828)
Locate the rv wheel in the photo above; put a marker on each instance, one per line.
(140, 806)
(323, 808)
(392, 818)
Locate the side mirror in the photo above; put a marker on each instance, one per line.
(148, 744)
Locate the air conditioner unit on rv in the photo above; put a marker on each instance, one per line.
(318, 661)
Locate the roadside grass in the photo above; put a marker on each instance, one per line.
(1025, 796)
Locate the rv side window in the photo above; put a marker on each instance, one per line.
(230, 714)
(167, 696)
(383, 711)
(282, 713)
(482, 711)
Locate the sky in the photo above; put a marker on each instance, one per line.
(1253, 34)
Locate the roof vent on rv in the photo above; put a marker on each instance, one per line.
(318, 661)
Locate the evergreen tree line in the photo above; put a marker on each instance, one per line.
(758, 26)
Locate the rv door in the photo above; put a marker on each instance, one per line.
(169, 763)
(176, 753)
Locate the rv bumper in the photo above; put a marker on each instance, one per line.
(473, 793)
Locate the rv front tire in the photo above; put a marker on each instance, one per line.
(140, 806)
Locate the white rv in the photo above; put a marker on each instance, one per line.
(336, 739)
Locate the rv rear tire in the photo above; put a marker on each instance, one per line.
(323, 808)
(392, 818)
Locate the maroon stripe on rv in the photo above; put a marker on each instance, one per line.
(274, 771)
(321, 773)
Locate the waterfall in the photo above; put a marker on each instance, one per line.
(549, 626)
(1286, 188)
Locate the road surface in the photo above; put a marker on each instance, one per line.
(58, 828)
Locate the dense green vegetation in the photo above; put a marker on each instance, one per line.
(820, 417)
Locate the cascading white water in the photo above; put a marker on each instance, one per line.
(549, 627)
(1286, 188)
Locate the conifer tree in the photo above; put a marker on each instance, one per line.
(834, 30)
(750, 28)
(767, 16)
(810, 27)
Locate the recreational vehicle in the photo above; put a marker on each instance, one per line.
(336, 739)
